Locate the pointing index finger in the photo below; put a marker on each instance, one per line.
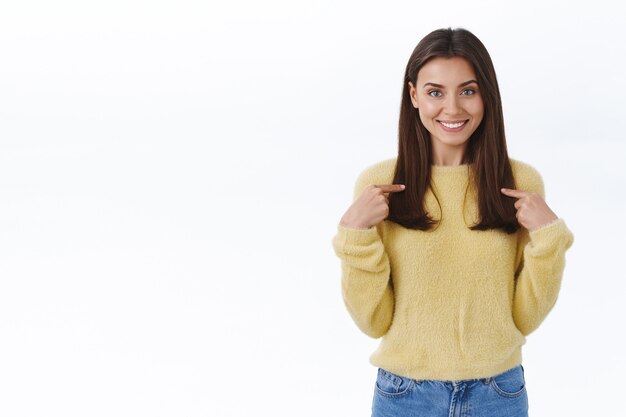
(513, 193)
(390, 188)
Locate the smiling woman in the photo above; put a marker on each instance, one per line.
(449, 251)
(451, 108)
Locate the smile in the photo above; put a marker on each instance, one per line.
(455, 126)
(452, 125)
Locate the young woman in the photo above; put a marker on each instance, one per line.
(449, 251)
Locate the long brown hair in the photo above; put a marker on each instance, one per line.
(486, 152)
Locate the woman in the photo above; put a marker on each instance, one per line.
(449, 251)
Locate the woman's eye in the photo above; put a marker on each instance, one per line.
(469, 89)
(430, 93)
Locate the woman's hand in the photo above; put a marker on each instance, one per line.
(532, 210)
(371, 207)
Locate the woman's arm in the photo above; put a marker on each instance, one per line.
(541, 262)
(365, 273)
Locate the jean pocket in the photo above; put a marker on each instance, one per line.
(510, 383)
(393, 385)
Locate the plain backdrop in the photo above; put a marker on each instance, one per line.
(172, 174)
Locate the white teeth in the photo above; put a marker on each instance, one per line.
(453, 125)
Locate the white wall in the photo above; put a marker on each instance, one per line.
(172, 173)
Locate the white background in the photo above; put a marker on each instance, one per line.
(172, 173)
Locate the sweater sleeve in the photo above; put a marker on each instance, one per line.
(366, 286)
(538, 277)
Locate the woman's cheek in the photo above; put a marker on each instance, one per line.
(428, 111)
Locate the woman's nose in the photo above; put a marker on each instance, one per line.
(450, 105)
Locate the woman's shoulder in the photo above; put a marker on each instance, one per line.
(381, 167)
(527, 177)
(380, 172)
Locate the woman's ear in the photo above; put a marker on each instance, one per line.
(413, 95)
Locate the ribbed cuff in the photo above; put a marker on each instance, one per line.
(354, 236)
(549, 235)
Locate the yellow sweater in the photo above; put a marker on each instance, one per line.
(450, 303)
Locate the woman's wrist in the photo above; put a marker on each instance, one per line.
(353, 224)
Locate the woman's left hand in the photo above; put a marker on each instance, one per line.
(532, 210)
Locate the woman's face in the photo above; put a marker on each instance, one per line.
(449, 102)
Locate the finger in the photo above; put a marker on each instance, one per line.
(390, 188)
(513, 193)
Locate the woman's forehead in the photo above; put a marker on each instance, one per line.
(446, 69)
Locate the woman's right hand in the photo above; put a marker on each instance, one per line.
(371, 207)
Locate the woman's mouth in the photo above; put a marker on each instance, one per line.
(452, 126)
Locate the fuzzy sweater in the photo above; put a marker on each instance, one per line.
(450, 303)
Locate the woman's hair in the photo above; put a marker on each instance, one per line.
(486, 152)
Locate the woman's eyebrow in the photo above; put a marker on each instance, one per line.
(460, 85)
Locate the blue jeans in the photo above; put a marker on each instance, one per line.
(502, 395)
